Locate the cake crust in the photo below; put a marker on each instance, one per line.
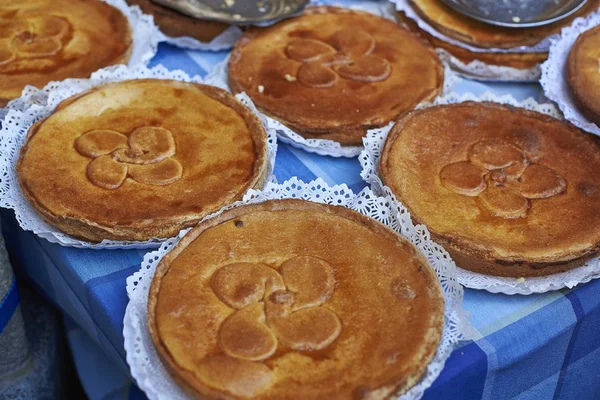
(334, 73)
(176, 24)
(465, 29)
(583, 73)
(348, 350)
(51, 40)
(531, 211)
(157, 197)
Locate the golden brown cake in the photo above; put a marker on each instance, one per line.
(333, 73)
(583, 73)
(176, 24)
(467, 30)
(141, 159)
(513, 60)
(506, 191)
(289, 299)
(51, 40)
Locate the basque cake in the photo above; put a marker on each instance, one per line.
(290, 299)
(141, 159)
(333, 73)
(51, 40)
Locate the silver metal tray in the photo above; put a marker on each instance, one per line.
(516, 13)
(236, 11)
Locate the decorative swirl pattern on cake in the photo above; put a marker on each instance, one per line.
(276, 307)
(349, 56)
(145, 156)
(504, 178)
(31, 37)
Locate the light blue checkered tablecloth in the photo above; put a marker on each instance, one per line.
(526, 347)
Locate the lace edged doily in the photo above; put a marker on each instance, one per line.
(223, 41)
(382, 9)
(145, 37)
(41, 103)
(554, 75)
(145, 364)
(369, 160)
(143, 31)
(481, 71)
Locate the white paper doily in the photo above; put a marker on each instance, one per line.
(369, 160)
(481, 71)
(383, 9)
(145, 38)
(407, 8)
(17, 123)
(554, 73)
(143, 31)
(146, 366)
(225, 40)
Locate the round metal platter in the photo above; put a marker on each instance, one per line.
(237, 12)
(516, 13)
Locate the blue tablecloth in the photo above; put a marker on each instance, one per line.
(526, 347)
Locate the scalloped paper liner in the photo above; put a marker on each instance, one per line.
(554, 74)
(223, 41)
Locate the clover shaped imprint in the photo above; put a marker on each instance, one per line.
(349, 56)
(503, 177)
(36, 36)
(276, 307)
(144, 156)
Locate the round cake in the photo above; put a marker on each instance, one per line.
(141, 159)
(506, 191)
(522, 61)
(460, 27)
(583, 73)
(333, 73)
(51, 40)
(289, 299)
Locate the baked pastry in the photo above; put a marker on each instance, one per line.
(583, 73)
(141, 159)
(513, 60)
(51, 40)
(506, 191)
(467, 30)
(333, 73)
(269, 301)
(176, 24)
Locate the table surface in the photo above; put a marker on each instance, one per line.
(527, 347)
